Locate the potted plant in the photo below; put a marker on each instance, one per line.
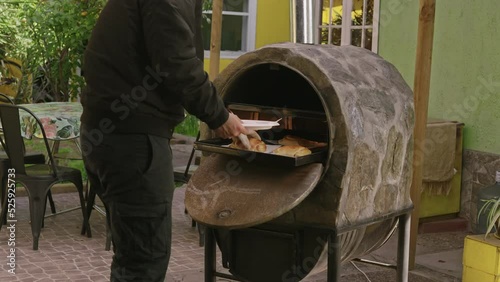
(10, 39)
(491, 208)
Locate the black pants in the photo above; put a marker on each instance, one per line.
(133, 175)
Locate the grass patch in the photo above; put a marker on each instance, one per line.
(65, 147)
(179, 184)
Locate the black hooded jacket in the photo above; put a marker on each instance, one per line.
(144, 65)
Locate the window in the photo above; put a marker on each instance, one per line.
(350, 22)
(238, 27)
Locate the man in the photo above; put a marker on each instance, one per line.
(142, 71)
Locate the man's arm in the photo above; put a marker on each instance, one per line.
(169, 31)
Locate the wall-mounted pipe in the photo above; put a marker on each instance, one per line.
(305, 15)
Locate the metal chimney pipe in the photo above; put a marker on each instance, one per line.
(305, 15)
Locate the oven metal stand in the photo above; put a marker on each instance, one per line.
(403, 251)
(403, 247)
(333, 268)
(211, 260)
(184, 178)
(334, 254)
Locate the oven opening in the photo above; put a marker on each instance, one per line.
(273, 85)
(275, 92)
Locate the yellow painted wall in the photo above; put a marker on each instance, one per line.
(273, 22)
(336, 13)
(273, 26)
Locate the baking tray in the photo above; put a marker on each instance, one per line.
(219, 146)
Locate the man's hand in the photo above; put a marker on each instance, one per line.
(231, 128)
(234, 128)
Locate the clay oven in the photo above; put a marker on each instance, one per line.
(278, 219)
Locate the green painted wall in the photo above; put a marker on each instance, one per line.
(466, 71)
(398, 35)
(465, 83)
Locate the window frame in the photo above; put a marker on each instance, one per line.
(347, 27)
(248, 40)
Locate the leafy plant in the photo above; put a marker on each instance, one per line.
(189, 126)
(491, 208)
(37, 145)
(10, 38)
(49, 36)
(59, 31)
(10, 24)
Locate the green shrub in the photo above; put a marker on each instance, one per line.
(65, 147)
(189, 126)
(49, 37)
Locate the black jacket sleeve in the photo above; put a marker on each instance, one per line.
(170, 28)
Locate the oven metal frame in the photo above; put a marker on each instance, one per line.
(334, 253)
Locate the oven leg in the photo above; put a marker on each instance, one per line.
(403, 247)
(333, 271)
(210, 260)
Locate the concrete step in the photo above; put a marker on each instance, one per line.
(443, 225)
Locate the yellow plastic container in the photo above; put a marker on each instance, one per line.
(11, 69)
(481, 259)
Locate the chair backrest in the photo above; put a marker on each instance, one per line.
(14, 142)
(6, 99)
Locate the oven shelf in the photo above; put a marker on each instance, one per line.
(218, 146)
(281, 112)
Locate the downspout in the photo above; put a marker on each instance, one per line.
(305, 16)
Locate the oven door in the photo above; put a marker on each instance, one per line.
(233, 192)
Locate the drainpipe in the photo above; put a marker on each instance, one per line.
(305, 15)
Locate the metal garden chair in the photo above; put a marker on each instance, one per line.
(29, 158)
(38, 178)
